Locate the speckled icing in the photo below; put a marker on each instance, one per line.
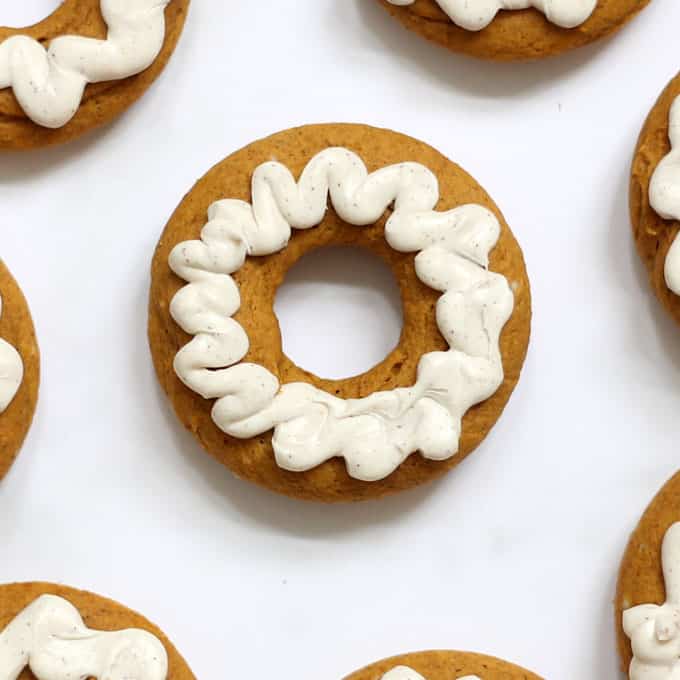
(474, 15)
(654, 630)
(49, 84)
(377, 433)
(405, 673)
(50, 638)
(664, 195)
(11, 373)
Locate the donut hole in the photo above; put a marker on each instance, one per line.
(340, 312)
(25, 14)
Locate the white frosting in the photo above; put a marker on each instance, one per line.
(11, 373)
(49, 637)
(474, 15)
(654, 630)
(405, 673)
(664, 195)
(377, 433)
(49, 84)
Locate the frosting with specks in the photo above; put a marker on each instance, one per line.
(406, 673)
(49, 83)
(11, 372)
(51, 639)
(664, 195)
(654, 630)
(377, 433)
(474, 15)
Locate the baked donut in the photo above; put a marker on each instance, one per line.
(51, 632)
(57, 83)
(19, 369)
(655, 197)
(440, 665)
(508, 30)
(214, 336)
(648, 592)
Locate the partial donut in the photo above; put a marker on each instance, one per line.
(443, 665)
(510, 30)
(82, 66)
(19, 369)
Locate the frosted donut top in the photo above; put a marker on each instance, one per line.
(11, 372)
(50, 638)
(377, 433)
(49, 83)
(474, 15)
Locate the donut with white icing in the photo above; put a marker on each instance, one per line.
(216, 343)
(82, 66)
(443, 665)
(19, 369)
(648, 592)
(655, 197)
(508, 30)
(53, 632)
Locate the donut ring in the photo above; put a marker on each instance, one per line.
(654, 235)
(98, 613)
(102, 101)
(443, 665)
(512, 35)
(259, 278)
(20, 361)
(644, 582)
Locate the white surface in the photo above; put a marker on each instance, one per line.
(516, 552)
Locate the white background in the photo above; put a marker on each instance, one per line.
(516, 552)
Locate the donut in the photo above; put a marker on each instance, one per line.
(64, 633)
(509, 30)
(216, 343)
(56, 82)
(443, 665)
(19, 369)
(655, 197)
(648, 591)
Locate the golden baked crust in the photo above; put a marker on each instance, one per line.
(253, 459)
(97, 612)
(16, 327)
(440, 665)
(514, 35)
(102, 102)
(654, 235)
(641, 577)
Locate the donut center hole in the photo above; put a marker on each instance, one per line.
(27, 12)
(340, 312)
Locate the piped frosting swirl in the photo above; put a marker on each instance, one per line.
(377, 433)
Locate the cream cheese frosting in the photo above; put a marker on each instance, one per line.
(11, 372)
(49, 83)
(664, 195)
(377, 433)
(474, 15)
(654, 630)
(406, 673)
(50, 638)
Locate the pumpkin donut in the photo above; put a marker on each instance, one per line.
(66, 633)
(648, 592)
(655, 197)
(215, 336)
(509, 30)
(19, 369)
(56, 83)
(440, 665)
